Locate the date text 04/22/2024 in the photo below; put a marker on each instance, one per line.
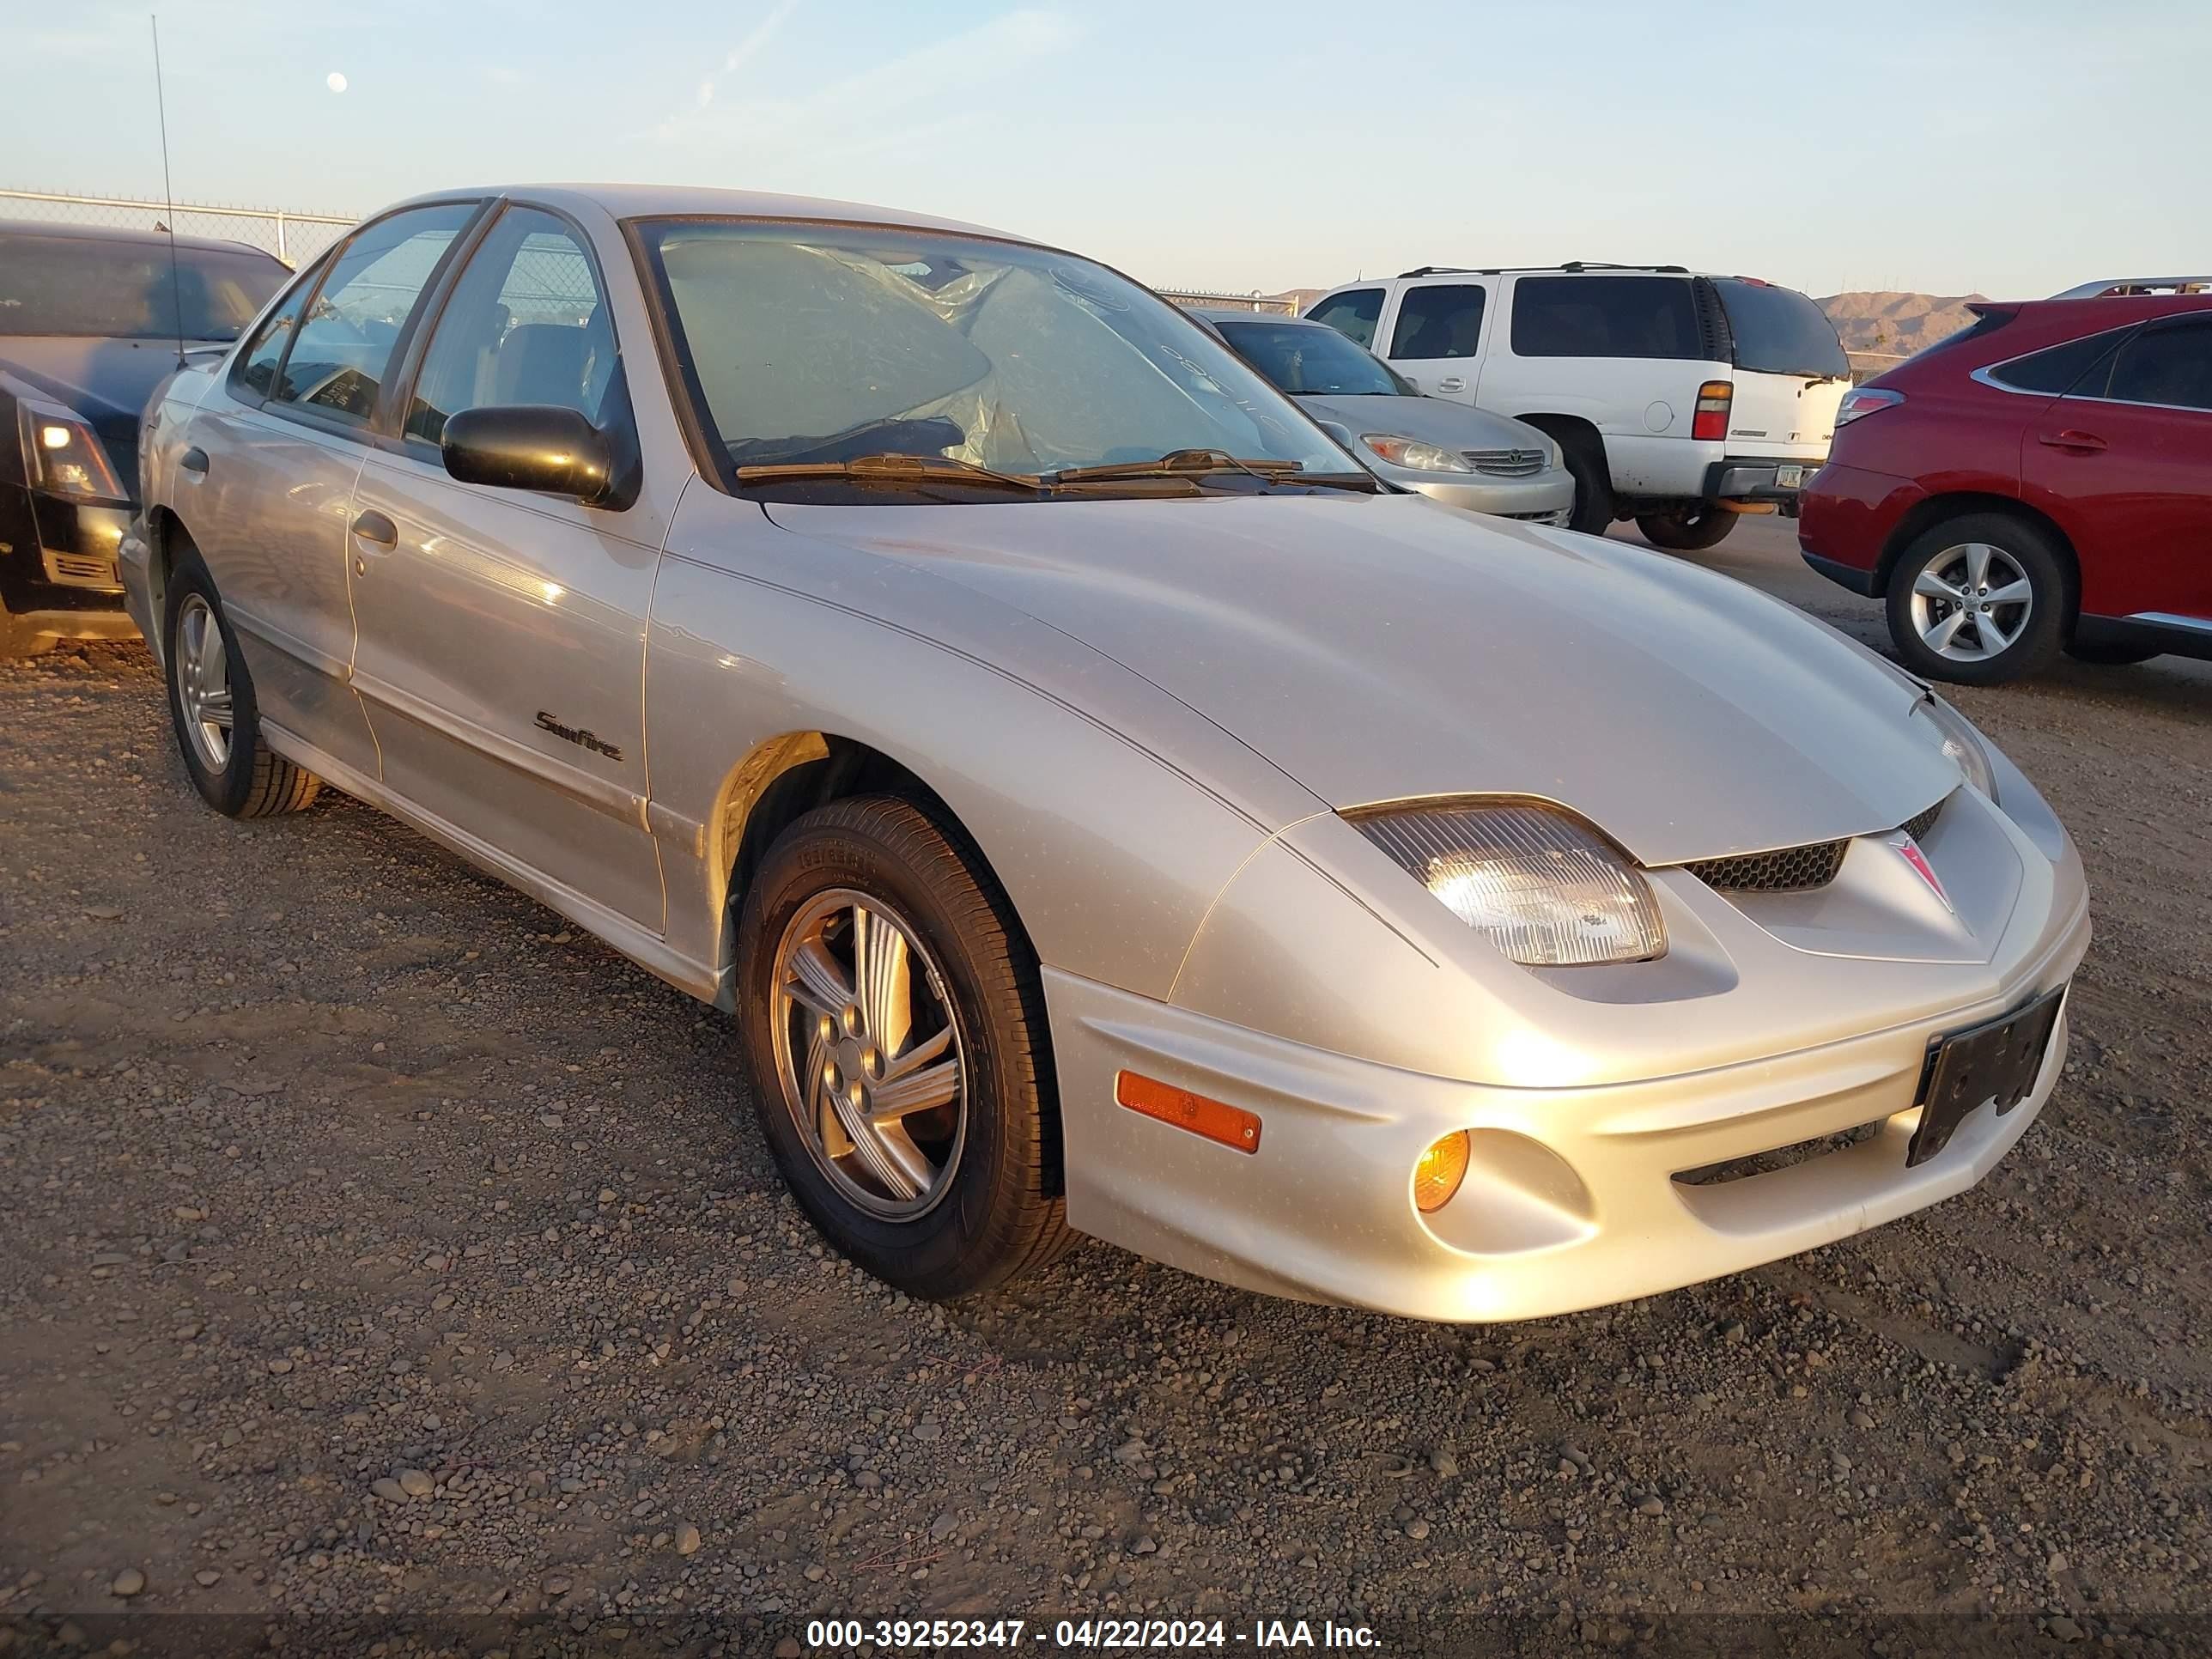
(1089, 1635)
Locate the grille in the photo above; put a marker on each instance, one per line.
(81, 570)
(1506, 463)
(1793, 869)
(1781, 1157)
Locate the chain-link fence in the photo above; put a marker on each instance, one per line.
(295, 238)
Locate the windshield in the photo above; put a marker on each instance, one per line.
(1779, 331)
(826, 343)
(1311, 358)
(125, 290)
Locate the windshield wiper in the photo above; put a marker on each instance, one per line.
(1204, 463)
(894, 468)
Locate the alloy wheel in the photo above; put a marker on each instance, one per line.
(1971, 602)
(203, 682)
(869, 1053)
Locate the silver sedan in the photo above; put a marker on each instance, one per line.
(1103, 808)
(1451, 452)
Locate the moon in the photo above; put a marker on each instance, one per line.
(335, 82)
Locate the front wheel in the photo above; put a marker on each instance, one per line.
(1979, 599)
(1688, 529)
(895, 1033)
(211, 705)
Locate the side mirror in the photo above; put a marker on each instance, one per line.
(531, 447)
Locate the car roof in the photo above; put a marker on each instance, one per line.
(683, 201)
(128, 234)
(1572, 267)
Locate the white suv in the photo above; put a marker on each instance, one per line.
(1678, 399)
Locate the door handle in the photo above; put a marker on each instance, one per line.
(376, 530)
(193, 460)
(2086, 443)
(1451, 383)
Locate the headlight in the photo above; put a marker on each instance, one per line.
(1412, 453)
(1546, 890)
(1961, 745)
(61, 456)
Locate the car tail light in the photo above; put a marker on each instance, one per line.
(1232, 1126)
(1712, 418)
(1439, 1174)
(1862, 400)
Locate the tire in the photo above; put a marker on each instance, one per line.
(18, 640)
(237, 775)
(2110, 656)
(977, 1196)
(1687, 530)
(1583, 453)
(2017, 639)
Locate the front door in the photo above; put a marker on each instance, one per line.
(501, 654)
(2127, 458)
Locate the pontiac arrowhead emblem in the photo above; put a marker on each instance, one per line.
(1909, 850)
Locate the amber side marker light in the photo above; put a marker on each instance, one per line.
(1232, 1126)
(1439, 1172)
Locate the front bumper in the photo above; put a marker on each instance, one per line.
(1572, 1198)
(58, 564)
(1760, 478)
(1546, 498)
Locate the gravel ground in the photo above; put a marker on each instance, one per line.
(373, 1248)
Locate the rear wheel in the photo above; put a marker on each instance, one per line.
(211, 705)
(1979, 599)
(894, 1030)
(1687, 529)
(1584, 455)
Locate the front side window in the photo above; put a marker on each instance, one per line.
(2169, 365)
(821, 344)
(1444, 320)
(527, 324)
(1606, 317)
(343, 348)
(256, 364)
(1307, 359)
(1352, 314)
(114, 289)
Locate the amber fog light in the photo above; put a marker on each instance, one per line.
(1439, 1174)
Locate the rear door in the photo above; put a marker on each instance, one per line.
(267, 475)
(1790, 373)
(2124, 463)
(1437, 335)
(1626, 352)
(502, 632)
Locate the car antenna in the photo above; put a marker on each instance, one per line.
(168, 192)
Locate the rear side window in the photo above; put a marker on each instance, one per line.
(1352, 314)
(1604, 317)
(1777, 331)
(2059, 368)
(1442, 320)
(339, 359)
(2169, 364)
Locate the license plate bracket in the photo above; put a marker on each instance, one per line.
(1788, 477)
(1998, 1061)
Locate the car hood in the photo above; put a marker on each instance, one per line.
(107, 381)
(1380, 649)
(1433, 419)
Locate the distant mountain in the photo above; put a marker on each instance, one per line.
(1895, 324)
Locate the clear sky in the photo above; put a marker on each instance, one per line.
(2014, 148)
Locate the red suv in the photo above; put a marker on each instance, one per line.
(2041, 481)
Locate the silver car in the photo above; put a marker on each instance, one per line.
(1452, 452)
(1103, 806)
